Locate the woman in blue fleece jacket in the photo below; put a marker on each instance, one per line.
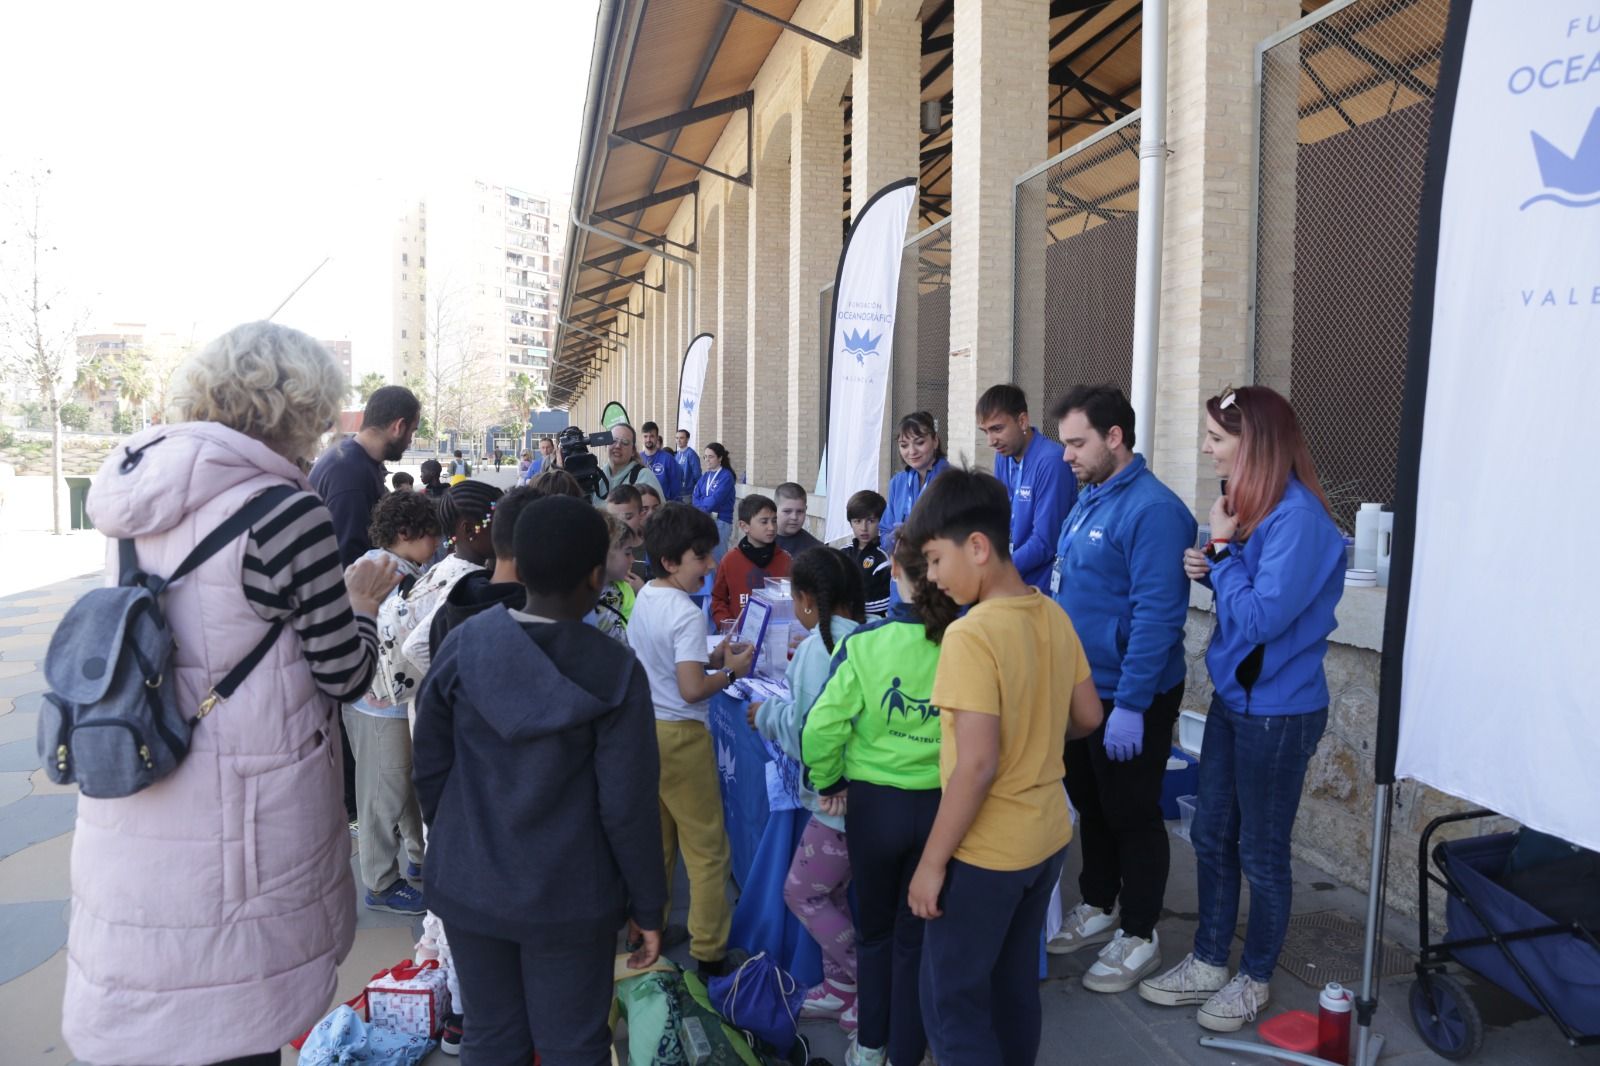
(1276, 564)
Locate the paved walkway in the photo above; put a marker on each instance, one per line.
(1081, 1028)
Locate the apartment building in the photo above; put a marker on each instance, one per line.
(408, 281)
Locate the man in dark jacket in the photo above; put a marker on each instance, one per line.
(349, 476)
(536, 768)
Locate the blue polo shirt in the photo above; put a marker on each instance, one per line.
(1042, 489)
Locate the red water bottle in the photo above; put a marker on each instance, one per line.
(1333, 1024)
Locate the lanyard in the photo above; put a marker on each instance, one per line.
(1016, 477)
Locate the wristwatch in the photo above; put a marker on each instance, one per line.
(1219, 550)
(731, 676)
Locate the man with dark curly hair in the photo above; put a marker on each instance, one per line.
(405, 527)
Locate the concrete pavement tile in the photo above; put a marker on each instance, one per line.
(30, 1015)
(38, 873)
(32, 933)
(20, 755)
(13, 786)
(14, 669)
(6, 704)
(11, 610)
(46, 626)
(10, 631)
(34, 819)
(43, 786)
(18, 726)
(29, 679)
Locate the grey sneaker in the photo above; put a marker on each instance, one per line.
(1085, 926)
(856, 1055)
(1191, 981)
(1123, 962)
(1233, 1005)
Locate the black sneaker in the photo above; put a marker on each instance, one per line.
(450, 1035)
(708, 970)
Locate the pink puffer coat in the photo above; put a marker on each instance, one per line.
(209, 911)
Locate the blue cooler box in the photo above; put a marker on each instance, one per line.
(1184, 782)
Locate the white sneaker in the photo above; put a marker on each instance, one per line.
(1123, 962)
(1234, 1004)
(1191, 981)
(856, 1055)
(1085, 925)
(827, 1000)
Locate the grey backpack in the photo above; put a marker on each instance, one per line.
(110, 722)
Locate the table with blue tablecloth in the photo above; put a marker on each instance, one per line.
(762, 842)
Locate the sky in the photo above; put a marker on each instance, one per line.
(205, 158)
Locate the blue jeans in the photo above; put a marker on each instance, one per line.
(1251, 772)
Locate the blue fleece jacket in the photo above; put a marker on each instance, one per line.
(1277, 591)
(688, 471)
(664, 465)
(714, 492)
(905, 488)
(1119, 575)
(1042, 491)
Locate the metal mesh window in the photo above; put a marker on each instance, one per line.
(1345, 105)
(927, 259)
(1077, 227)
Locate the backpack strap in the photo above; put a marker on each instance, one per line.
(235, 677)
(241, 520)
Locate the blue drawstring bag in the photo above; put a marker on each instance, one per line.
(343, 1039)
(761, 999)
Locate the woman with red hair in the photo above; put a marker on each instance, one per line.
(1276, 564)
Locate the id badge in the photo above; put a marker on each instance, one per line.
(1055, 578)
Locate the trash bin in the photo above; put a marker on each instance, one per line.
(78, 502)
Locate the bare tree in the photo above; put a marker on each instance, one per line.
(38, 334)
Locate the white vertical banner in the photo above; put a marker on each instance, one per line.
(1496, 702)
(691, 383)
(864, 295)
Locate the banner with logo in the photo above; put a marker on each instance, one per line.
(1494, 589)
(691, 382)
(861, 344)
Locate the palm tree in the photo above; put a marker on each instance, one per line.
(370, 383)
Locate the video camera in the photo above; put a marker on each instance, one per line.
(581, 463)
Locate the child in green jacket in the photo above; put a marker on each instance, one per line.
(874, 732)
(828, 601)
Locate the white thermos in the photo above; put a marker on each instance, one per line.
(1367, 520)
(1385, 546)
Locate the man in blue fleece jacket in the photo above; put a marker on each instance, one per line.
(1119, 575)
(1030, 468)
(536, 767)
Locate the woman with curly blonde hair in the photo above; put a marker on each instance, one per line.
(210, 910)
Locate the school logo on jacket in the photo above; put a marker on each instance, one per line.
(1097, 536)
(898, 700)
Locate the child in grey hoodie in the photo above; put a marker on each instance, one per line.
(537, 771)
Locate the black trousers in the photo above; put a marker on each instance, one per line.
(270, 1058)
(1120, 830)
(558, 996)
(885, 829)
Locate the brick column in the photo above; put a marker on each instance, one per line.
(766, 383)
(885, 146)
(816, 184)
(1000, 105)
(732, 350)
(1205, 301)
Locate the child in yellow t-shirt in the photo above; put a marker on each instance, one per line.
(1012, 684)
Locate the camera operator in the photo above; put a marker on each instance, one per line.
(624, 467)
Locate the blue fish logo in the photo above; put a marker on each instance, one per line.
(861, 344)
(1577, 174)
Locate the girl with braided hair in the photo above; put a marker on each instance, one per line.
(829, 603)
(873, 735)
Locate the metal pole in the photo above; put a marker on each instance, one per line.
(1152, 197)
(1367, 1003)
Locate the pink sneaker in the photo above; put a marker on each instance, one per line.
(828, 1000)
(847, 1020)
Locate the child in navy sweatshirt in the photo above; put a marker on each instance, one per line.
(535, 740)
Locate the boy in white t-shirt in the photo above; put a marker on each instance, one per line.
(668, 633)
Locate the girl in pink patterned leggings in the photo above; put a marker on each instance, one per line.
(828, 601)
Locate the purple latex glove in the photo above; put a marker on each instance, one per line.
(1124, 734)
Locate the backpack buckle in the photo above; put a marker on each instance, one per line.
(207, 704)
